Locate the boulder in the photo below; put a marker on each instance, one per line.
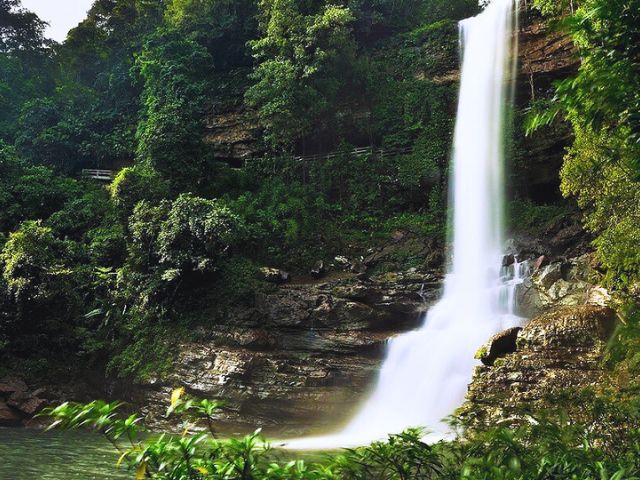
(560, 284)
(549, 275)
(508, 260)
(398, 236)
(318, 269)
(498, 346)
(26, 402)
(359, 267)
(582, 327)
(342, 261)
(9, 385)
(540, 262)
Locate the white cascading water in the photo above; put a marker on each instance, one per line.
(426, 373)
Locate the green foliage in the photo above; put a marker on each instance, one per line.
(283, 216)
(173, 247)
(303, 63)
(553, 7)
(607, 190)
(223, 26)
(174, 72)
(134, 184)
(30, 192)
(398, 15)
(77, 216)
(190, 234)
(524, 216)
(237, 282)
(33, 263)
(404, 456)
(602, 103)
(548, 446)
(187, 457)
(624, 346)
(20, 29)
(40, 275)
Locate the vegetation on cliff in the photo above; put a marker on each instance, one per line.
(602, 103)
(104, 273)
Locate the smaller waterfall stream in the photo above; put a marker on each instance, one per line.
(426, 373)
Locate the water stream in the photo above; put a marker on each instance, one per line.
(425, 375)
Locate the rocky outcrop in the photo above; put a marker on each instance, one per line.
(561, 283)
(19, 403)
(301, 355)
(545, 55)
(499, 346)
(555, 353)
(234, 135)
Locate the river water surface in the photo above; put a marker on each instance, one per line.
(33, 455)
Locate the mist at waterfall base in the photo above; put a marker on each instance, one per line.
(426, 373)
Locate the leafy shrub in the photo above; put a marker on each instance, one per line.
(546, 447)
(34, 263)
(135, 184)
(190, 234)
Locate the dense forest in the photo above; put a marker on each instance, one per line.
(109, 276)
(100, 273)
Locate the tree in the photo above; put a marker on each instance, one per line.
(303, 61)
(222, 26)
(174, 72)
(134, 184)
(33, 264)
(30, 193)
(189, 235)
(20, 29)
(25, 63)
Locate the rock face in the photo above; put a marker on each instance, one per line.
(556, 352)
(298, 356)
(499, 346)
(545, 55)
(233, 135)
(561, 283)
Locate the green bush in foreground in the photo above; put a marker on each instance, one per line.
(545, 448)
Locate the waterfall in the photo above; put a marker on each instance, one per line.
(426, 372)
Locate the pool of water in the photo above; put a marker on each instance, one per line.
(33, 455)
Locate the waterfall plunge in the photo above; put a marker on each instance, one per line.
(426, 373)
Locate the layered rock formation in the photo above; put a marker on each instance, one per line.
(233, 135)
(565, 282)
(302, 355)
(556, 353)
